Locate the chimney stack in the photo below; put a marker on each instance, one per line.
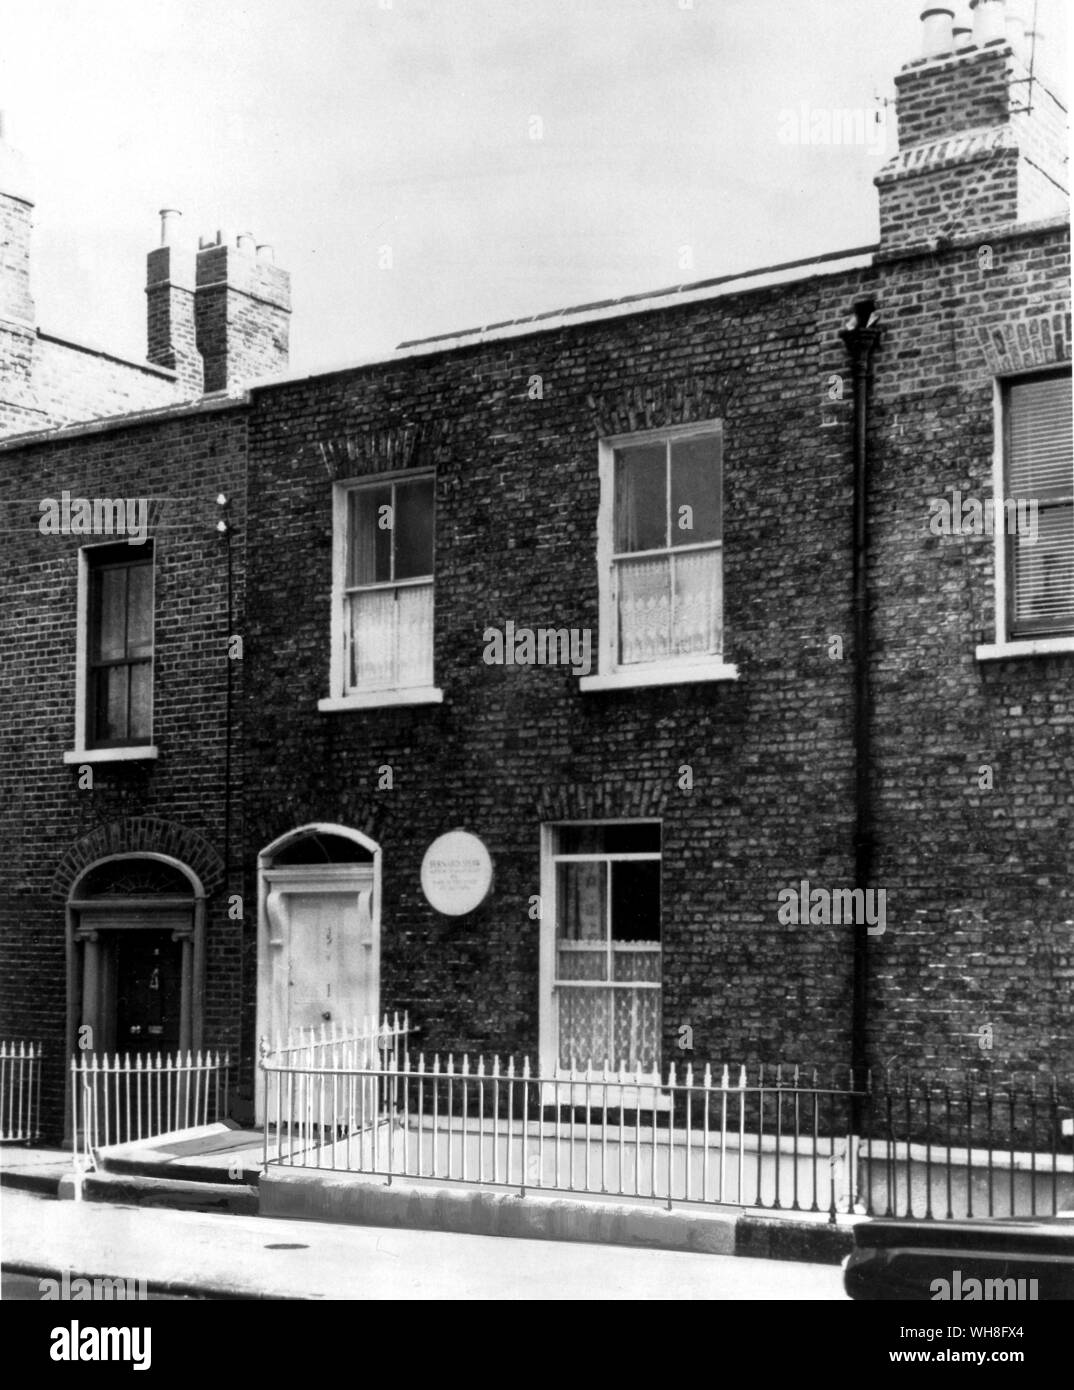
(243, 312)
(16, 220)
(989, 21)
(169, 289)
(938, 35)
(18, 333)
(974, 156)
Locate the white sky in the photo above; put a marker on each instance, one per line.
(332, 128)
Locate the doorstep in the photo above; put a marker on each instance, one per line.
(468, 1209)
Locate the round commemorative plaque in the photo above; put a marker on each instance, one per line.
(456, 873)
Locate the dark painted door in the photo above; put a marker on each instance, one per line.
(148, 991)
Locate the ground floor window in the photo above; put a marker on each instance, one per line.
(602, 951)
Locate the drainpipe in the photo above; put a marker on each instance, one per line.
(860, 337)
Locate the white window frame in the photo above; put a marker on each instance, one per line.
(137, 752)
(1005, 646)
(338, 697)
(628, 1097)
(682, 670)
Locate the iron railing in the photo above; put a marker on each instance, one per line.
(20, 1092)
(116, 1100)
(778, 1138)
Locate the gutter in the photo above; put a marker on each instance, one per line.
(860, 337)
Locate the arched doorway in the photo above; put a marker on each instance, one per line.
(136, 955)
(318, 930)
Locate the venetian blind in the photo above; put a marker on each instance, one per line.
(1040, 468)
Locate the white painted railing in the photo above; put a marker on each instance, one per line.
(116, 1100)
(20, 1092)
(770, 1137)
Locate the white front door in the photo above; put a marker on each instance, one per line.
(319, 951)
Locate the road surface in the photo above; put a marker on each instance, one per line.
(254, 1256)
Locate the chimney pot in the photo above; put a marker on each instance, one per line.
(989, 20)
(938, 36)
(265, 252)
(245, 242)
(1016, 33)
(169, 225)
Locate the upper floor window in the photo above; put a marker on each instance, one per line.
(1039, 458)
(660, 555)
(383, 643)
(119, 646)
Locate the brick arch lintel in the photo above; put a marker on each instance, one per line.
(640, 800)
(1032, 340)
(140, 835)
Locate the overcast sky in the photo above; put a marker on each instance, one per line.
(514, 155)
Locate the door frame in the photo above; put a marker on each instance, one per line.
(86, 918)
(272, 891)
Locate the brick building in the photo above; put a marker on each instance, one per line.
(682, 605)
(216, 319)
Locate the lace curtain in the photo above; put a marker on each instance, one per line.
(669, 606)
(391, 638)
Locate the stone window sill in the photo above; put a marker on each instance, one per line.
(1042, 646)
(382, 699)
(660, 675)
(142, 752)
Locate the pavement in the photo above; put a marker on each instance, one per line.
(216, 1168)
(255, 1257)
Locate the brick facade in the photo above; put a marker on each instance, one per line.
(187, 803)
(979, 883)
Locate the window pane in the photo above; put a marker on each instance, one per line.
(111, 614)
(113, 724)
(415, 635)
(644, 609)
(1044, 575)
(632, 837)
(581, 902)
(636, 900)
(1041, 463)
(697, 627)
(695, 484)
(369, 561)
(641, 497)
(584, 1027)
(141, 688)
(582, 963)
(631, 964)
(373, 639)
(414, 529)
(391, 638)
(636, 1028)
(140, 610)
